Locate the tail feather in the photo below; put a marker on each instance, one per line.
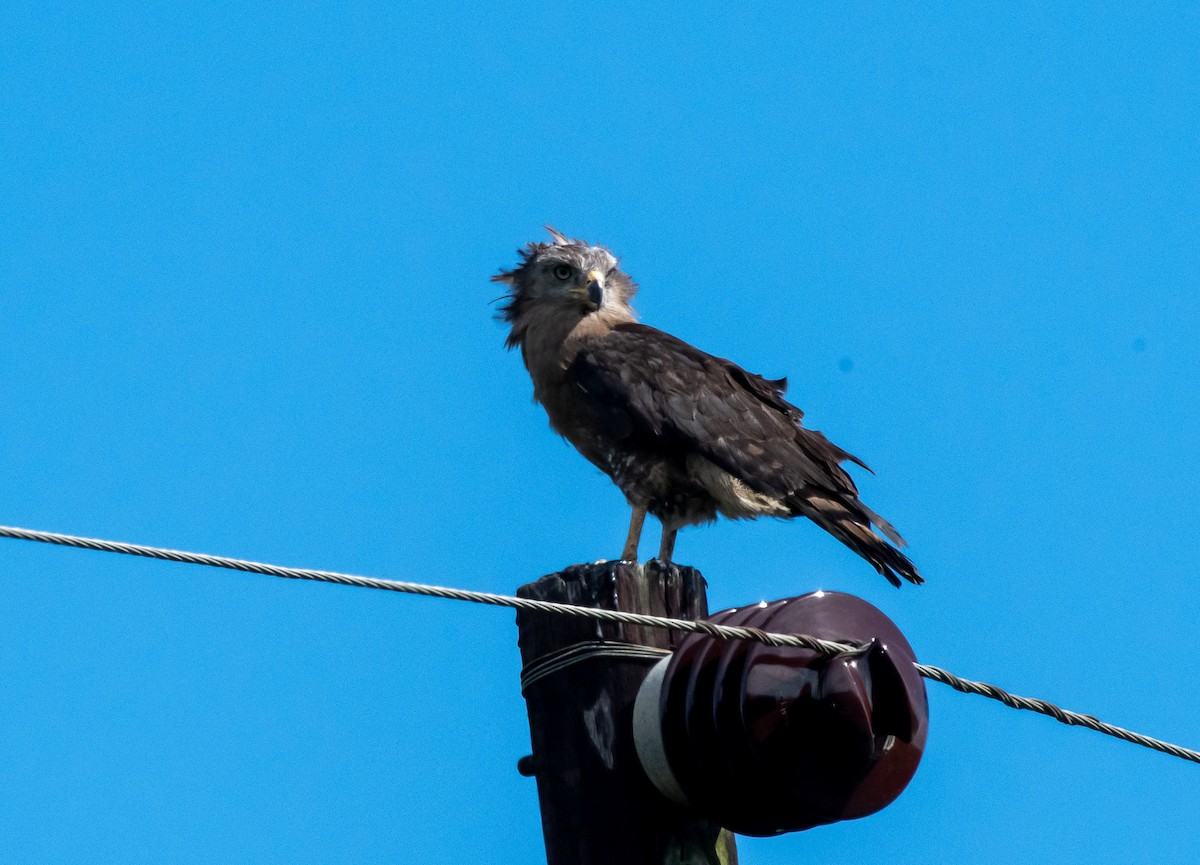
(851, 523)
(883, 525)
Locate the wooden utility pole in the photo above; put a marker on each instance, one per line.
(597, 806)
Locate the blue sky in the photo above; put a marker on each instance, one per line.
(244, 269)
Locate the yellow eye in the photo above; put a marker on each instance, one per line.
(563, 271)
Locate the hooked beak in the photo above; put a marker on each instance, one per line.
(595, 290)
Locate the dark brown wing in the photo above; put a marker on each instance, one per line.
(665, 394)
(652, 385)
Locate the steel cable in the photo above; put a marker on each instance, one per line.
(723, 632)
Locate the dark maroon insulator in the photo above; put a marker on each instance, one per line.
(767, 740)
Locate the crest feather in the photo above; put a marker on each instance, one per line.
(529, 250)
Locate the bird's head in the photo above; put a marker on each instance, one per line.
(558, 284)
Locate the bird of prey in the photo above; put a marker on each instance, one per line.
(683, 434)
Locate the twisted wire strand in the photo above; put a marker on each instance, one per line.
(1063, 716)
(721, 632)
(827, 647)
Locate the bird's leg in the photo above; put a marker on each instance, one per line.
(635, 535)
(667, 548)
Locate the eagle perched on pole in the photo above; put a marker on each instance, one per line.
(683, 434)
